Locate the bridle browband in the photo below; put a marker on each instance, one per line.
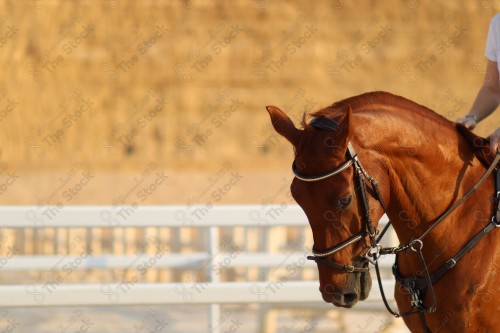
(335, 171)
(416, 285)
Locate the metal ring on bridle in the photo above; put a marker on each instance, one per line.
(497, 222)
(373, 253)
(416, 241)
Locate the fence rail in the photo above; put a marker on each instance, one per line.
(174, 260)
(211, 219)
(151, 216)
(174, 293)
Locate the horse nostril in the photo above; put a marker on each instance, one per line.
(350, 298)
(338, 297)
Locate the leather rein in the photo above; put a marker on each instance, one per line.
(416, 285)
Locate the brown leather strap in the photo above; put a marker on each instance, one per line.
(497, 195)
(344, 268)
(450, 263)
(465, 196)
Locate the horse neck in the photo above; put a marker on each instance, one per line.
(426, 167)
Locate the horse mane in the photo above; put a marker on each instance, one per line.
(363, 101)
(410, 109)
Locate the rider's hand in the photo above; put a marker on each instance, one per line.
(468, 121)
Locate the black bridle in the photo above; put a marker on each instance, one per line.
(416, 285)
(368, 230)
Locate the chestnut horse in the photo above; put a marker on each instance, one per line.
(423, 166)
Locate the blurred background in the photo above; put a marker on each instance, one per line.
(115, 89)
(121, 103)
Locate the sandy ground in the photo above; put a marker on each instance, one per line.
(183, 319)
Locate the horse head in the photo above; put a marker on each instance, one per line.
(331, 202)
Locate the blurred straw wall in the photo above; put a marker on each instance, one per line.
(118, 93)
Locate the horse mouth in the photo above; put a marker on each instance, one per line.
(345, 306)
(341, 300)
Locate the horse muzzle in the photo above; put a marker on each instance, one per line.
(356, 289)
(347, 300)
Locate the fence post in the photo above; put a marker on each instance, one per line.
(214, 309)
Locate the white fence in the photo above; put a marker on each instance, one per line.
(205, 291)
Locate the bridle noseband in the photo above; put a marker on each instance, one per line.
(360, 173)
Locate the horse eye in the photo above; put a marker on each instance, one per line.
(345, 202)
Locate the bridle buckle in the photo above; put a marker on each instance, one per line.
(450, 263)
(416, 301)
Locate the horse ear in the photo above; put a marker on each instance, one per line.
(345, 127)
(283, 125)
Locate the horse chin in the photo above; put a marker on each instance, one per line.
(365, 285)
